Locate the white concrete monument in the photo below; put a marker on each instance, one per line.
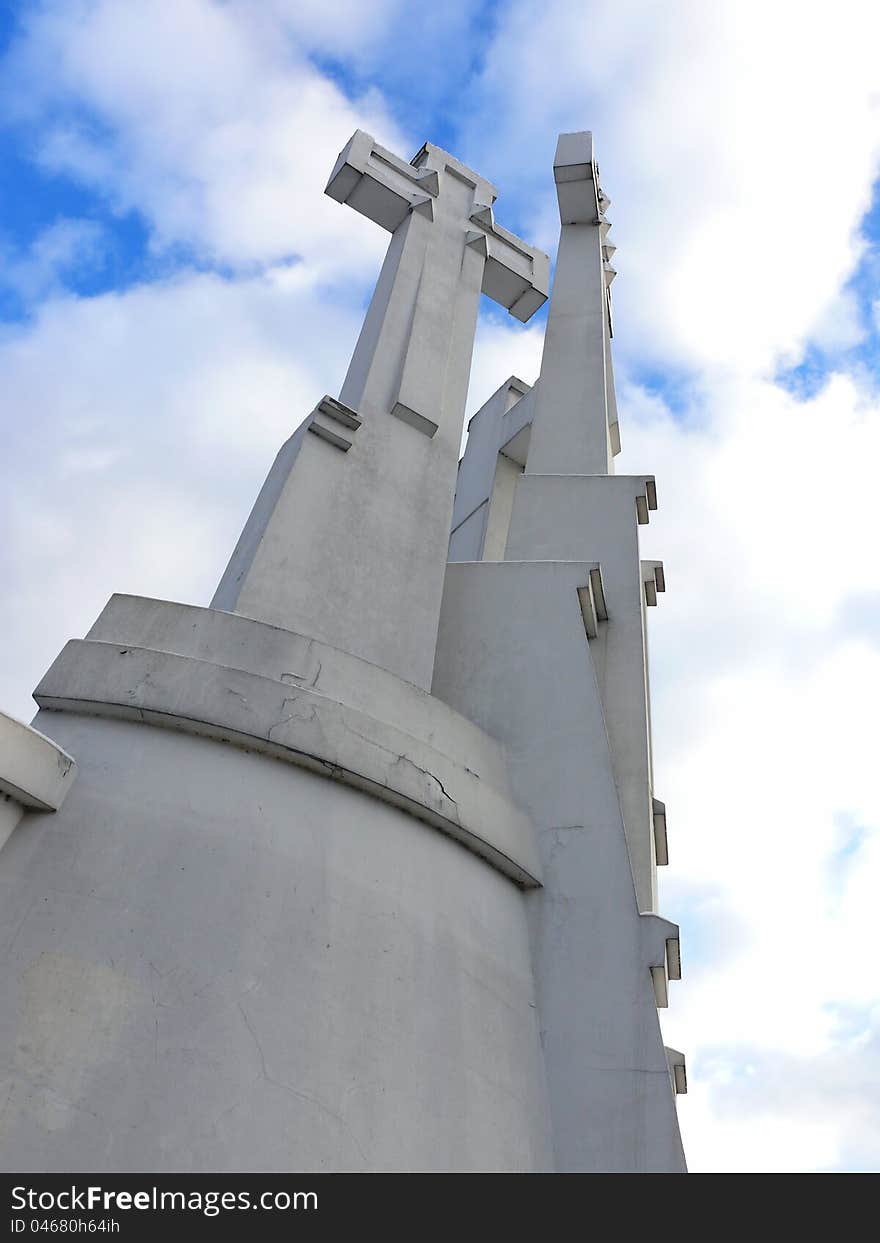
(358, 869)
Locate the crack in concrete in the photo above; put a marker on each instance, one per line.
(300, 677)
(293, 716)
(557, 844)
(402, 759)
(433, 777)
(304, 1096)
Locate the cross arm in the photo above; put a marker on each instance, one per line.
(379, 184)
(385, 188)
(516, 275)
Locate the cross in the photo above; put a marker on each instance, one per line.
(413, 356)
(348, 541)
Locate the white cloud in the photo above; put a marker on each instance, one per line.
(840, 324)
(502, 349)
(65, 248)
(764, 745)
(152, 417)
(213, 125)
(739, 144)
(346, 28)
(763, 709)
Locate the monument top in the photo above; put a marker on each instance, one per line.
(386, 189)
(576, 173)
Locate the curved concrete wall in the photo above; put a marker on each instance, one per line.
(240, 681)
(198, 978)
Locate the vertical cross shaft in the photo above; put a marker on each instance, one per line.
(350, 547)
(575, 422)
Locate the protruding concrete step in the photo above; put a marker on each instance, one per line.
(334, 422)
(35, 774)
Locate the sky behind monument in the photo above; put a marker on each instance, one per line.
(177, 292)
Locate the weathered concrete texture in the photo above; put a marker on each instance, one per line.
(498, 439)
(595, 517)
(575, 427)
(545, 644)
(34, 771)
(505, 512)
(359, 869)
(339, 540)
(611, 1103)
(11, 813)
(214, 961)
(35, 774)
(268, 690)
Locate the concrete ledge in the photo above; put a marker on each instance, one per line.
(334, 422)
(412, 417)
(396, 758)
(566, 491)
(677, 1070)
(646, 501)
(654, 580)
(34, 772)
(663, 949)
(661, 846)
(238, 642)
(592, 601)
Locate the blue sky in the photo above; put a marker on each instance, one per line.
(34, 196)
(176, 292)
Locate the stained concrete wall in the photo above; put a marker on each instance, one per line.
(290, 916)
(348, 539)
(611, 1099)
(595, 517)
(212, 960)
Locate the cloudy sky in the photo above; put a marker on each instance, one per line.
(176, 291)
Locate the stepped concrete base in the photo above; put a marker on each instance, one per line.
(216, 958)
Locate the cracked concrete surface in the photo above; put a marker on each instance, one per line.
(465, 794)
(274, 973)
